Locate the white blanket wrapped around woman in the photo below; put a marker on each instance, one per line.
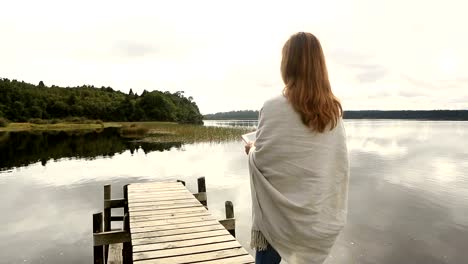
(299, 181)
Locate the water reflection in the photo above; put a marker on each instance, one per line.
(19, 149)
(231, 123)
(407, 203)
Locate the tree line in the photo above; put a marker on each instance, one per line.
(409, 114)
(21, 101)
(243, 114)
(363, 114)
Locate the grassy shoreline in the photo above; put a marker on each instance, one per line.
(18, 127)
(150, 132)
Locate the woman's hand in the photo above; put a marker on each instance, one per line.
(248, 146)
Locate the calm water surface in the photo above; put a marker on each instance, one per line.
(408, 199)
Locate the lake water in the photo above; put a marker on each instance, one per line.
(408, 197)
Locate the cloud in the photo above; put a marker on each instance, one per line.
(410, 93)
(369, 73)
(227, 63)
(459, 100)
(359, 63)
(348, 56)
(441, 84)
(134, 49)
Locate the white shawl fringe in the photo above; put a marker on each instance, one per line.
(258, 241)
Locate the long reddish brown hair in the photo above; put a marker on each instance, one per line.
(307, 87)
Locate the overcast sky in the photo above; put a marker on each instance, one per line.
(392, 54)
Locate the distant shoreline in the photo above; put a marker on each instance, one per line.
(427, 115)
(377, 119)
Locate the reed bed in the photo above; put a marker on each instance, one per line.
(145, 131)
(133, 131)
(172, 132)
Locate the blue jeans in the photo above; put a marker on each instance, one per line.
(268, 256)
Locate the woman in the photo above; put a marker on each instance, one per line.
(298, 164)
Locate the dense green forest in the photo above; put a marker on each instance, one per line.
(364, 114)
(20, 102)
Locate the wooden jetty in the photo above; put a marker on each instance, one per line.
(164, 223)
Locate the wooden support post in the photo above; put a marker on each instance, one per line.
(230, 220)
(229, 209)
(202, 192)
(98, 254)
(107, 216)
(201, 184)
(127, 251)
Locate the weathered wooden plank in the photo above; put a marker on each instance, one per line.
(167, 216)
(170, 211)
(115, 254)
(114, 203)
(141, 185)
(177, 231)
(117, 218)
(155, 189)
(110, 237)
(171, 221)
(160, 207)
(245, 259)
(136, 201)
(185, 251)
(153, 240)
(170, 227)
(160, 182)
(157, 185)
(160, 193)
(156, 196)
(158, 203)
(159, 197)
(184, 243)
(220, 254)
